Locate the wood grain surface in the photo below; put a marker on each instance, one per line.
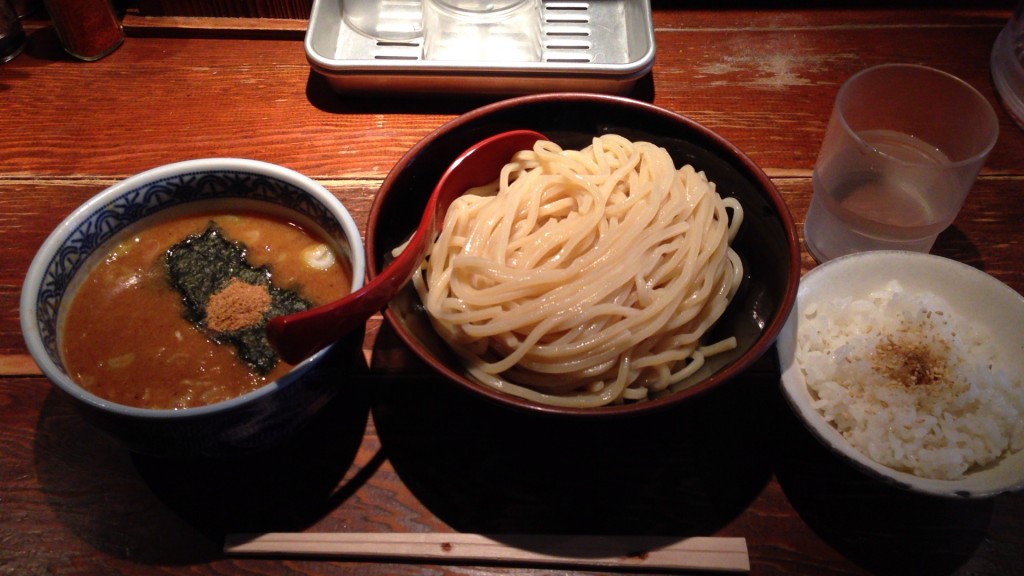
(399, 450)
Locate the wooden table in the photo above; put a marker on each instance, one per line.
(408, 453)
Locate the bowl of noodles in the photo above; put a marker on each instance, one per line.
(632, 260)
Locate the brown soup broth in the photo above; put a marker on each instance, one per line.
(124, 336)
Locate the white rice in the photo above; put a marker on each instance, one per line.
(910, 384)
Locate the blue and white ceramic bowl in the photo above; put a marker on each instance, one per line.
(245, 423)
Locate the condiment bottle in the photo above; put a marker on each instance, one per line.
(12, 35)
(88, 29)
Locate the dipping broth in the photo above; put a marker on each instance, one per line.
(125, 336)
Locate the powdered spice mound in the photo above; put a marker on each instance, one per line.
(238, 305)
(911, 359)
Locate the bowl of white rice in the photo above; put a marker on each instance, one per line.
(911, 366)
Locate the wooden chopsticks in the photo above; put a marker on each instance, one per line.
(646, 552)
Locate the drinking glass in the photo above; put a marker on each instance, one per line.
(482, 30)
(902, 149)
(396, 20)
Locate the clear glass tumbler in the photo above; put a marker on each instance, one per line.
(482, 30)
(387, 20)
(902, 149)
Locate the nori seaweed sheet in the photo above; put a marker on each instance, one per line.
(201, 265)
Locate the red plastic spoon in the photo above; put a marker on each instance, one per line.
(297, 336)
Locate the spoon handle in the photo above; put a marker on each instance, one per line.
(297, 336)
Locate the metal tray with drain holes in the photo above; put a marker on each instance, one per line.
(600, 46)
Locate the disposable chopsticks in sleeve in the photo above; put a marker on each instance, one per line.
(647, 552)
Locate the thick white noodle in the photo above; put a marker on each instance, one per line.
(585, 278)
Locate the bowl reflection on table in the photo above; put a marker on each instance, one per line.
(251, 421)
(766, 242)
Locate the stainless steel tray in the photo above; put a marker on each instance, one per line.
(589, 45)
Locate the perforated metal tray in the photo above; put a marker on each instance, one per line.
(590, 45)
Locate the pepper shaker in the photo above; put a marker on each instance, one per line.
(88, 29)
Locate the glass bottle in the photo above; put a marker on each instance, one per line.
(12, 35)
(88, 29)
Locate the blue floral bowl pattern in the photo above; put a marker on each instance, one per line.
(249, 421)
